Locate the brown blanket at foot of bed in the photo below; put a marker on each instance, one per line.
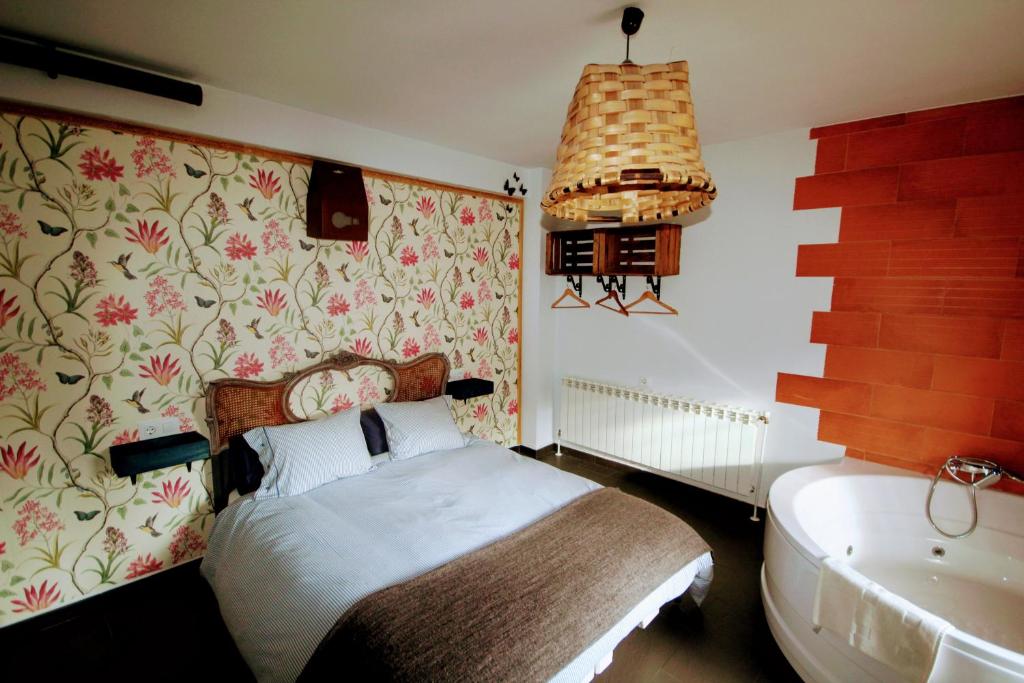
(520, 609)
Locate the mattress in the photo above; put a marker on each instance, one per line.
(285, 569)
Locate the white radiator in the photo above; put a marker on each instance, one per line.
(715, 447)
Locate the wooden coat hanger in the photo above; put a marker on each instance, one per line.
(654, 295)
(612, 288)
(575, 301)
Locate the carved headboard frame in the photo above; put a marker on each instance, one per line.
(234, 406)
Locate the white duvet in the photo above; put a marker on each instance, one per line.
(285, 569)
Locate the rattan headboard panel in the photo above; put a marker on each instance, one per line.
(234, 406)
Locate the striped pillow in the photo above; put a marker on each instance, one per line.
(418, 427)
(299, 457)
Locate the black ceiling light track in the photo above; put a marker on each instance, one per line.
(56, 61)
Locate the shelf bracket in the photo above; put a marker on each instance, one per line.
(655, 285)
(613, 281)
(577, 286)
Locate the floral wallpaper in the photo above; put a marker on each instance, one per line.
(135, 269)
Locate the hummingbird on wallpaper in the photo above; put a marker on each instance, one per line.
(122, 265)
(471, 358)
(412, 224)
(415, 319)
(136, 401)
(343, 272)
(254, 327)
(472, 276)
(246, 206)
(148, 527)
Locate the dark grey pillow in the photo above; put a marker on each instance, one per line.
(373, 430)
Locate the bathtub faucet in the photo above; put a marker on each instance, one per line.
(974, 473)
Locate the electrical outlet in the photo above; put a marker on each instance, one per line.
(150, 429)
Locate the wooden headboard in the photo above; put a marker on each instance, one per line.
(234, 406)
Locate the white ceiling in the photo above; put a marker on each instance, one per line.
(494, 77)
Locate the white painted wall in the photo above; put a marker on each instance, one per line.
(241, 118)
(743, 315)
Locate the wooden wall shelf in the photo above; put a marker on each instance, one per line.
(639, 250)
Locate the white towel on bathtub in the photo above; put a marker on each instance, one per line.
(877, 622)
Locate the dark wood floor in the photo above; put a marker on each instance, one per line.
(167, 628)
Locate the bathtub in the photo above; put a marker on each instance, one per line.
(874, 516)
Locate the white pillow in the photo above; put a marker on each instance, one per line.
(417, 427)
(299, 457)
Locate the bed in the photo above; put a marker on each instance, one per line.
(408, 536)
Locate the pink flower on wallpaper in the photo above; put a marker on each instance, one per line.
(480, 335)
(141, 566)
(466, 301)
(409, 256)
(126, 437)
(111, 311)
(426, 298)
(16, 375)
(513, 261)
(358, 250)
(272, 301)
(483, 291)
(150, 238)
(173, 493)
(337, 304)
(513, 407)
(483, 370)
(150, 159)
(425, 205)
(34, 518)
(513, 336)
(18, 463)
(185, 544)
(163, 297)
(160, 370)
(185, 423)
(99, 165)
(368, 391)
(10, 224)
(480, 255)
(466, 216)
(266, 182)
(430, 249)
(365, 296)
(431, 339)
(274, 238)
(8, 308)
(484, 211)
(36, 599)
(341, 403)
(480, 412)
(3, 547)
(248, 365)
(240, 248)
(281, 352)
(362, 347)
(410, 349)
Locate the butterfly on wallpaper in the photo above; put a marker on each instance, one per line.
(148, 527)
(449, 339)
(194, 172)
(254, 327)
(384, 200)
(86, 516)
(343, 272)
(136, 401)
(205, 303)
(387, 299)
(122, 266)
(448, 254)
(306, 246)
(312, 354)
(508, 208)
(51, 230)
(499, 295)
(246, 206)
(69, 379)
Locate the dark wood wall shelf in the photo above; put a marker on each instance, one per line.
(640, 250)
(132, 459)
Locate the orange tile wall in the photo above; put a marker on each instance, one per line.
(925, 336)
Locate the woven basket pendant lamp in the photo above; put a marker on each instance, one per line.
(629, 151)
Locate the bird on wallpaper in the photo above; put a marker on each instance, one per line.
(471, 358)
(122, 265)
(412, 224)
(343, 272)
(415, 318)
(472, 275)
(136, 401)
(246, 206)
(148, 527)
(254, 327)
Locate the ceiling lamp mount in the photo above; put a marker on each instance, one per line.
(629, 151)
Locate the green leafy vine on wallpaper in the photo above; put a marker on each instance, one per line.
(135, 270)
